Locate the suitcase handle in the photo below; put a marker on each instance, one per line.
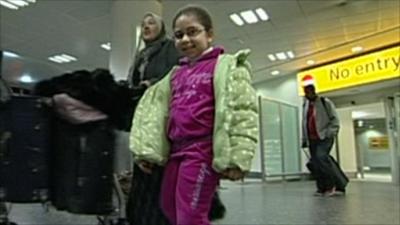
(4, 137)
(306, 152)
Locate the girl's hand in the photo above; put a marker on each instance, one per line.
(233, 174)
(145, 166)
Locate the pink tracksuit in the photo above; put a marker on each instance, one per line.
(189, 181)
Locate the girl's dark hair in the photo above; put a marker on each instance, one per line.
(199, 12)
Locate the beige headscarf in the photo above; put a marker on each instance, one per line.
(142, 55)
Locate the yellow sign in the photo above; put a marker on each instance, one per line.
(379, 143)
(377, 66)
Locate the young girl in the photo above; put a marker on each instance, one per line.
(200, 120)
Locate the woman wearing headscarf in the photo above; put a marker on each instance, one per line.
(157, 57)
(151, 64)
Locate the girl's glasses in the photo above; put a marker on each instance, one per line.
(190, 32)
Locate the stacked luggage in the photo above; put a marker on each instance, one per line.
(25, 150)
(83, 167)
(45, 157)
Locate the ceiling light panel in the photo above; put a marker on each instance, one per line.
(19, 3)
(357, 49)
(62, 58)
(262, 14)
(281, 56)
(16, 4)
(53, 59)
(249, 17)
(106, 46)
(236, 19)
(68, 57)
(310, 62)
(271, 57)
(8, 5)
(10, 54)
(275, 72)
(26, 78)
(290, 54)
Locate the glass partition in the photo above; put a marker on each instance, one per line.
(290, 137)
(280, 138)
(272, 145)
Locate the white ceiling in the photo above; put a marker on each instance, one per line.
(51, 27)
(322, 30)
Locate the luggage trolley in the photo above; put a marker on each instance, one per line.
(119, 216)
(25, 154)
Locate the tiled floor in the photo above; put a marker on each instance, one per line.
(293, 203)
(272, 203)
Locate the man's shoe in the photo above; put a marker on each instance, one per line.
(332, 192)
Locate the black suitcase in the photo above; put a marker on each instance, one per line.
(24, 150)
(82, 179)
(341, 180)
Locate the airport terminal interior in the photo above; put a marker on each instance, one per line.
(348, 49)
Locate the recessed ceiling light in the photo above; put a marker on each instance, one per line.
(281, 56)
(290, 54)
(262, 14)
(26, 78)
(8, 5)
(360, 123)
(10, 54)
(63, 58)
(18, 3)
(236, 19)
(53, 59)
(271, 57)
(71, 58)
(106, 46)
(357, 49)
(15, 4)
(310, 62)
(275, 72)
(249, 16)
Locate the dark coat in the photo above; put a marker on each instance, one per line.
(160, 62)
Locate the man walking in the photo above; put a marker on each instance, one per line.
(320, 127)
